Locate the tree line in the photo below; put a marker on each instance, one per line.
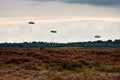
(89, 44)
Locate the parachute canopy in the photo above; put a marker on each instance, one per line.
(53, 31)
(31, 22)
(97, 36)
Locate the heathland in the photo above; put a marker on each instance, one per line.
(59, 63)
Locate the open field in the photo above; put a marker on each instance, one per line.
(59, 64)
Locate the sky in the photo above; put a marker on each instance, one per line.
(74, 20)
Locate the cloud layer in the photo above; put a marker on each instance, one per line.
(95, 2)
(73, 20)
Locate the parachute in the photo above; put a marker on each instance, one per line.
(97, 36)
(53, 31)
(31, 22)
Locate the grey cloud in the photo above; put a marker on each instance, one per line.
(94, 2)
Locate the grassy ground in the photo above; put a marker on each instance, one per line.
(59, 64)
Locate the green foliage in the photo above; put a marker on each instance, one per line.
(108, 69)
(33, 65)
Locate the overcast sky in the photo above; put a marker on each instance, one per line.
(75, 20)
